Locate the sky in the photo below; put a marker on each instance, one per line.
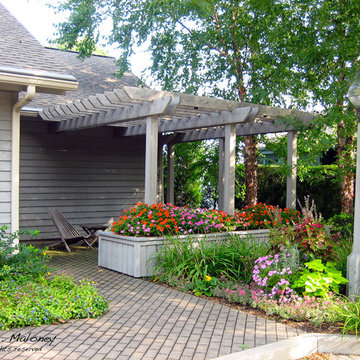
(35, 16)
(39, 19)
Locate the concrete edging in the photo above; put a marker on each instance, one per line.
(300, 346)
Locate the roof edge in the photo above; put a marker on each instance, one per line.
(16, 79)
(37, 73)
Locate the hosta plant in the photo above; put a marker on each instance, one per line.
(319, 280)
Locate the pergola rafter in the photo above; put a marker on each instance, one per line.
(141, 111)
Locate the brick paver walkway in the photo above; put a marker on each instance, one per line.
(145, 321)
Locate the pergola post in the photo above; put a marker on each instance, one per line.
(151, 159)
(221, 173)
(229, 169)
(353, 261)
(291, 162)
(170, 173)
(160, 187)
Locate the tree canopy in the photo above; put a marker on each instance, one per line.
(296, 53)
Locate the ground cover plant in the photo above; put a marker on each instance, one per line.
(299, 275)
(167, 219)
(31, 294)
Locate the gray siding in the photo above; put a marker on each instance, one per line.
(89, 176)
(5, 157)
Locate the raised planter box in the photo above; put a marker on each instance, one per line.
(133, 255)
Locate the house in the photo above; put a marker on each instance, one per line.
(75, 137)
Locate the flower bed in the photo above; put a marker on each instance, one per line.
(137, 235)
(166, 219)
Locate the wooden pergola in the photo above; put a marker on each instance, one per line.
(179, 118)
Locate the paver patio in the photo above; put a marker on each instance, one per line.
(145, 321)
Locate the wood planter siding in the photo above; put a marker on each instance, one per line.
(133, 255)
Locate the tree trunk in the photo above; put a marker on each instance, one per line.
(251, 165)
(345, 162)
(250, 150)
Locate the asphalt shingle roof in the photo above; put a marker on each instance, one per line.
(19, 49)
(95, 75)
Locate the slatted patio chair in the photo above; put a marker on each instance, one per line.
(67, 232)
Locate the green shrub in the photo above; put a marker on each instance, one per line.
(343, 224)
(318, 183)
(313, 239)
(48, 301)
(20, 263)
(7, 239)
(28, 264)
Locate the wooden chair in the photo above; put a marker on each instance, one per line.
(67, 232)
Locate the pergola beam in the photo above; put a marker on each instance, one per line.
(213, 120)
(186, 100)
(137, 111)
(213, 132)
(241, 130)
(214, 104)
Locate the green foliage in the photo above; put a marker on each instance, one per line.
(7, 241)
(193, 261)
(317, 182)
(28, 264)
(343, 224)
(51, 300)
(313, 239)
(262, 51)
(20, 263)
(205, 286)
(29, 297)
(343, 251)
(349, 310)
(193, 162)
(317, 311)
(319, 279)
